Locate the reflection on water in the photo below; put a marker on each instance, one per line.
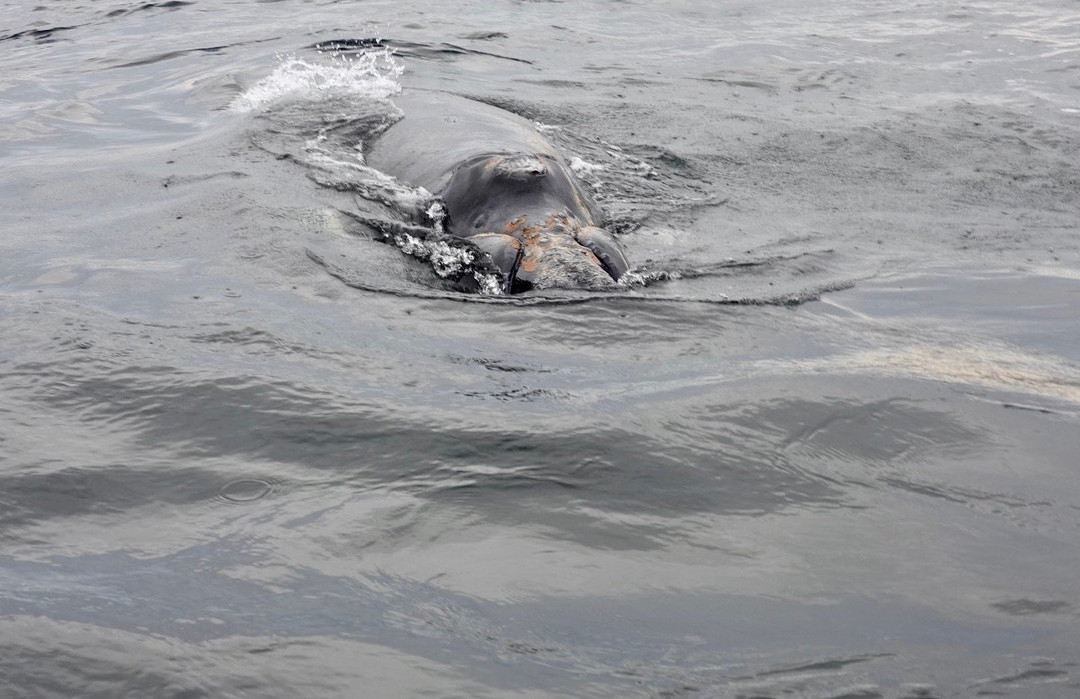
(753, 529)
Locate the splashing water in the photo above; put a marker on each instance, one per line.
(370, 75)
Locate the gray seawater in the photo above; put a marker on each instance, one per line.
(829, 450)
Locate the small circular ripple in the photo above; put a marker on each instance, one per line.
(245, 490)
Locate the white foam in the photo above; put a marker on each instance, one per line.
(631, 279)
(437, 213)
(371, 75)
(583, 168)
(447, 261)
(489, 284)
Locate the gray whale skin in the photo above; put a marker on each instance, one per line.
(507, 191)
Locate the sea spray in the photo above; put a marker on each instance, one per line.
(367, 76)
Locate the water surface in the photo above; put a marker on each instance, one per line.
(828, 450)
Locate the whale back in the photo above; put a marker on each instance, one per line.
(440, 131)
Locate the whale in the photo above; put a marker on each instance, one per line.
(506, 190)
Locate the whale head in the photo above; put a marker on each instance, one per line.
(532, 217)
(555, 254)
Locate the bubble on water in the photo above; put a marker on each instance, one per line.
(370, 75)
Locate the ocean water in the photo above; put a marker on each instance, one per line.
(826, 446)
